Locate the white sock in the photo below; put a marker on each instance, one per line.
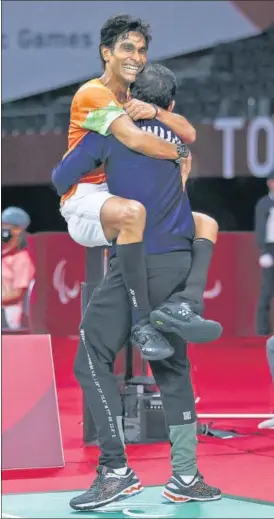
(187, 479)
(120, 472)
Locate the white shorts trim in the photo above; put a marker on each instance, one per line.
(82, 214)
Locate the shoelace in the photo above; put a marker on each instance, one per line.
(101, 485)
(202, 487)
(188, 313)
(99, 478)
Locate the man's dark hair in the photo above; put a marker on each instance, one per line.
(121, 25)
(155, 84)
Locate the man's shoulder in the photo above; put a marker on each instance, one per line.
(94, 84)
(95, 94)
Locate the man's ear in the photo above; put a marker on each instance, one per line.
(105, 53)
(171, 106)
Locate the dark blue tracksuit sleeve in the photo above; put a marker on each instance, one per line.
(90, 153)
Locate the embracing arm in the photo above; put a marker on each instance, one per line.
(178, 124)
(86, 157)
(146, 143)
(185, 168)
(93, 151)
(105, 116)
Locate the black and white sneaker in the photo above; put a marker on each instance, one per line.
(177, 491)
(151, 343)
(179, 318)
(107, 487)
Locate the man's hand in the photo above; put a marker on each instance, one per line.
(266, 261)
(13, 296)
(139, 110)
(185, 168)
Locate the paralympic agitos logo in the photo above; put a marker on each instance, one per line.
(65, 293)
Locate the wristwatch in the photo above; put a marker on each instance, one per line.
(183, 152)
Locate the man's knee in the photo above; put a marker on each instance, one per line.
(133, 213)
(205, 227)
(120, 213)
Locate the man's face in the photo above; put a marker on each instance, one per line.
(9, 237)
(128, 57)
(270, 184)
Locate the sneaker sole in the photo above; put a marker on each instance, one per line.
(205, 331)
(127, 492)
(174, 498)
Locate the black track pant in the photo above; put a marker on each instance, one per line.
(104, 330)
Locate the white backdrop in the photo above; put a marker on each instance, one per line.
(48, 44)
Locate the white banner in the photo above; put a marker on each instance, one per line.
(49, 44)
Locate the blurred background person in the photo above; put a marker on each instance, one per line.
(264, 229)
(17, 267)
(269, 424)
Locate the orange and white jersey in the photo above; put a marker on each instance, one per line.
(94, 107)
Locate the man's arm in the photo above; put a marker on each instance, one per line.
(86, 157)
(105, 116)
(13, 296)
(185, 168)
(146, 143)
(266, 259)
(177, 123)
(261, 212)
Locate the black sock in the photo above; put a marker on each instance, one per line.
(202, 250)
(132, 261)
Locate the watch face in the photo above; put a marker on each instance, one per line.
(185, 151)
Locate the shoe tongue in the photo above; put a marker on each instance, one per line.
(194, 306)
(185, 305)
(102, 469)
